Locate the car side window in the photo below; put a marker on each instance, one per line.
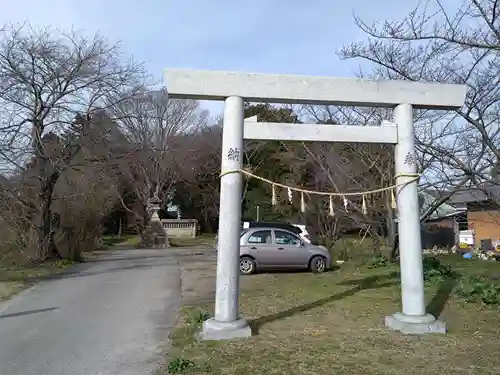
(285, 238)
(260, 237)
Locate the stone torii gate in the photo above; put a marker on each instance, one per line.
(235, 88)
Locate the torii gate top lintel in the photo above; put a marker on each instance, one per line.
(298, 89)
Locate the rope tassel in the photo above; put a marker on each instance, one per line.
(330, 208)
(363, 205)
(302, 203)
(273, 201)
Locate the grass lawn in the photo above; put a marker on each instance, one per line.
(332, 323)
(15, 279)
(201, 240)
(126, 240)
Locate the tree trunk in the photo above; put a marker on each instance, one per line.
(120, 226)
(395, 249)
(392, 236)
(46, 227)
(377, 241)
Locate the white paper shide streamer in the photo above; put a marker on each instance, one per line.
(302, 203)
(346, 204)
(393, 200)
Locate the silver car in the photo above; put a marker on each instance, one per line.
(275, 248)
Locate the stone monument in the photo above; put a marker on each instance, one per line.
(154, 236)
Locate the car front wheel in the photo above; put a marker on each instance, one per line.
(247, 266)
(317, 264)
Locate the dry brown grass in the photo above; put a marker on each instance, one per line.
(15, 279)
(198, 277)
(332, 323)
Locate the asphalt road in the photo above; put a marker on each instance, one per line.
(110, 316)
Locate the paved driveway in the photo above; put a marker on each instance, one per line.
(109, 316)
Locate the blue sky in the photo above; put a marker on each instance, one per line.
(267, 36)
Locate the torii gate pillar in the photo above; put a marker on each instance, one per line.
(234, 88)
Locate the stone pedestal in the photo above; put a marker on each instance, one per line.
(154, 236)
(216, 330)
(415, 325)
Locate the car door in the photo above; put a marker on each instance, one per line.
(259, 244)
(289, 252)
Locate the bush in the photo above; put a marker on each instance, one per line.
(196, 316)
(478, 289)
(435, 271)
(180, 365)
(201, 316)
(186, 366)
(326, 241)
(343, 248)
(378, 262)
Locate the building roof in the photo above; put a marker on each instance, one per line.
(444, 210)
(484, 192)
(426, 199)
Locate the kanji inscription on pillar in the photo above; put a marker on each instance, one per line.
(410, 159)
(233, 154)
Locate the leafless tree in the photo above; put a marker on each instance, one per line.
(343, 168)
(155, 129)
(439, 43)
(47, 78)
(82, 199)
(199, 190)
(458, 45)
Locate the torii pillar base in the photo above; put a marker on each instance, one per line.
(215, 330)
(415, 325)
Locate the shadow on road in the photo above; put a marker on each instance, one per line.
(28, 312)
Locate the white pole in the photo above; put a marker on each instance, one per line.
(226, 300)
(413, 318)
(410, 246)
(227, 323)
